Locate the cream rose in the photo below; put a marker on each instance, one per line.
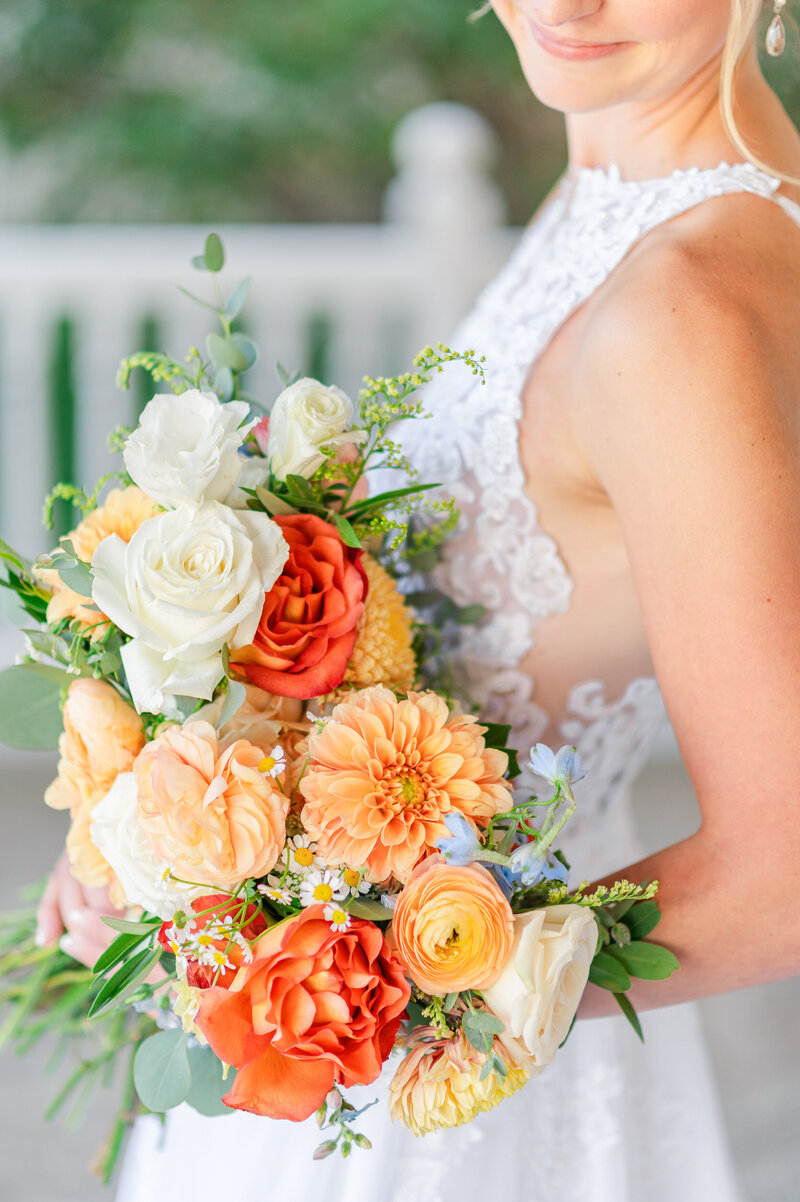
(542, 982)
(187, 583)
(306, 416)
(186, 448)
(117, 835)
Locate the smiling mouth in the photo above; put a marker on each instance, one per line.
(570, 47)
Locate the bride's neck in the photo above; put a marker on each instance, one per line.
(651, 138)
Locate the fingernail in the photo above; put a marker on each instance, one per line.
(75, 918)
(39, 938)
(67, 945)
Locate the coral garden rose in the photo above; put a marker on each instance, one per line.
(442, 1082)
(122, 513)
(187, 583)
(383, 773)
(542, 982)
(185, 450)
(316, 1007)
(102, 737)
(452, 927)
(214, 940)
(142, 877)
(308, 624)
(383, 651)
(213, 816)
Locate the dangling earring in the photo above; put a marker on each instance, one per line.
(776, 34)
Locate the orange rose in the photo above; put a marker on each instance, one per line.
(308, 625)
(215, 818)
(315, 1007)
(217, 941)
(102, 737)
(452, 927)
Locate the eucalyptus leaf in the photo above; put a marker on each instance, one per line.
(608, 973)
(207, 1086)
(246, 347)
(234, 700)
(224, 383)
(480, 1028)
(30, 710)
(648, 961)
(78, 577)
(224, 353)
(236, 301)
(161, 1071)
(59, 676)
(199, 262)
(198, 300)
(213, 253)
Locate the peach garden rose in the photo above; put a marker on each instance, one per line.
(212, 815)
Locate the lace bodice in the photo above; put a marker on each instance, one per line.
(501, 557)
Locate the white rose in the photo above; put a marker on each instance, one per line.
(254, 471)
(188, 582)
(186, 448)
(306, 416)
(117, 835)
(543, 980)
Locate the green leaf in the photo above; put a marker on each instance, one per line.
(208, 1086)
(246, 347)
(627, 1009)
(214, 255)
(225, 354)
(480, 1028)
(198, 300)
(470, 615)
(234, 700)
(15, 559)
(449, 1002)
(161, 1071)
(30, 711)
(199, 262)
(273, 503)
(642, 918)
(132, 928)
(133, 971)
(367, 907)
(621, 934)
(117, 951)
(346, 531)
(59, 676)
(300, 486)
(384, 498)
(648, 961)
(236, 300)
(496, 734)
(224, 383)
(608, 973)
(78, 577)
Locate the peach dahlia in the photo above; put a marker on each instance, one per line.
(382, 774)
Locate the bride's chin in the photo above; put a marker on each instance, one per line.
(579, 88)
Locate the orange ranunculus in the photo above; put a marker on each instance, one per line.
(215, 943)
(452, 927)
(308, 625)
(122, 513)
(384, 772)
(102, 737)
(214, 817)
(316, 1007)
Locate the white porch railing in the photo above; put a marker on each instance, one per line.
(368, 297)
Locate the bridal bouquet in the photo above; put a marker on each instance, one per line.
(314, 851)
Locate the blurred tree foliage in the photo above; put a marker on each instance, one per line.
(248, 109)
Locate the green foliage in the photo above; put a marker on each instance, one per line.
(30, 711)
(161, 1071)
(480, 1028)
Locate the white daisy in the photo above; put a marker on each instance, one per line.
(273, 764)
(337, 917)
(276, 893)
(324, 885)
(301, 855)
(353, 878)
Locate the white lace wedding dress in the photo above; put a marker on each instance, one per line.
(611, 1121)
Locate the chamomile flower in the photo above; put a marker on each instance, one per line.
(322, 885)
(300, 853)
(353, 878)
(275, 893)
(273, 764)
(337, 917)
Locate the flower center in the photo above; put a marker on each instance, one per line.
(304, 857)
(352, 878)
(409, 788)
(267, 764)
(323, 892)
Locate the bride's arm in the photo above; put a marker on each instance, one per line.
(689, 402)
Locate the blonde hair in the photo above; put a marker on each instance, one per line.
(743, 19)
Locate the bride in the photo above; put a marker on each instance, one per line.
(629, 483)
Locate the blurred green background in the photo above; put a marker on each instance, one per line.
(248, 110)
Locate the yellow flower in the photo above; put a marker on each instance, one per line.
(439, 1085)
(185, 1005)
(382, 654)
(122, 513)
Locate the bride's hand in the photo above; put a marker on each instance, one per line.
(73, 914)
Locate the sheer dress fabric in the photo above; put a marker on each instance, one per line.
(610, 1121)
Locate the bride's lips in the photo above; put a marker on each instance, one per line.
(570, 48)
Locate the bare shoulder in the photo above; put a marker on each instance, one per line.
(702, 313)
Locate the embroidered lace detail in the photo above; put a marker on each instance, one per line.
(500, 556)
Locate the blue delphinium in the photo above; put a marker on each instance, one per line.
(560, 768)
(462, 845)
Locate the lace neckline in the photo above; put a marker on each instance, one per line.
(610, 177)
